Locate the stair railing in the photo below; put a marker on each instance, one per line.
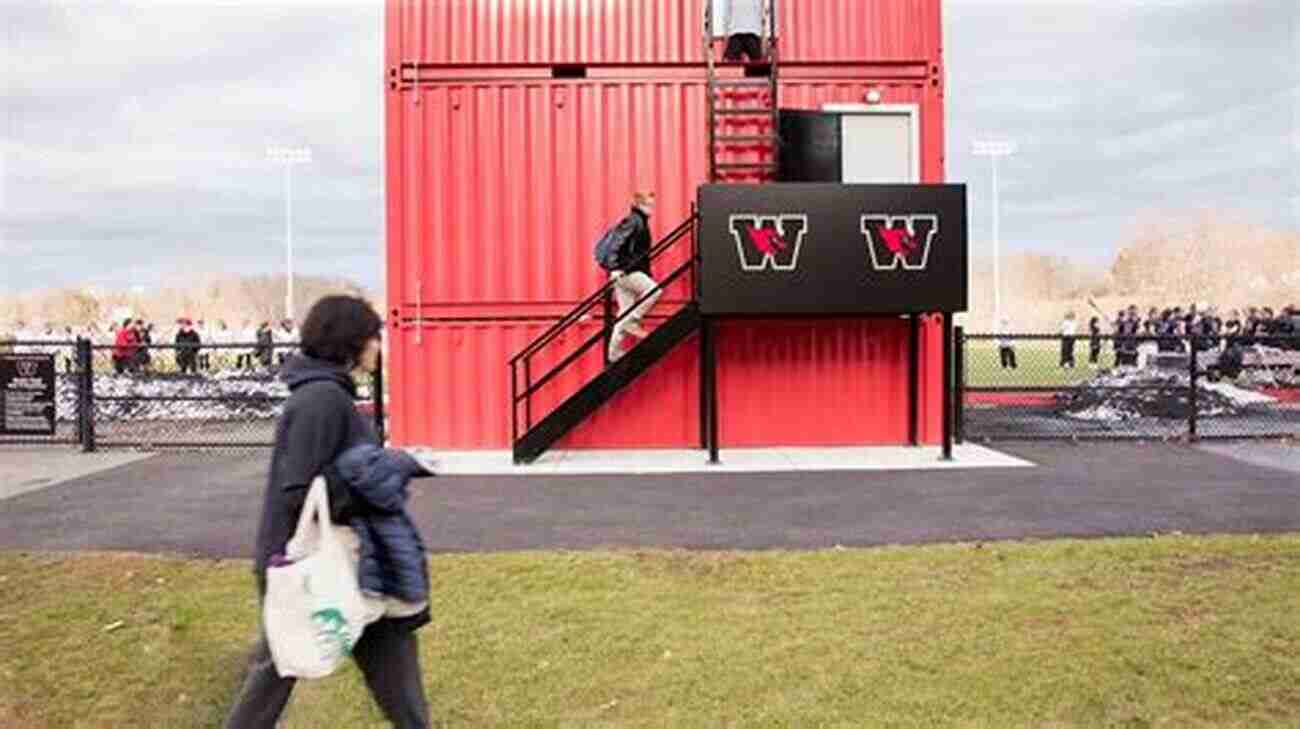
(522, 362)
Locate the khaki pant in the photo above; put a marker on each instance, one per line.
(628, 289)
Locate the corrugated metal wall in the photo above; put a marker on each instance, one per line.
(529, 174)
(500, 179)
(513, 32)
(842, 382)
(509, 183)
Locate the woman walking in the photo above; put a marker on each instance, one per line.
(319, 423)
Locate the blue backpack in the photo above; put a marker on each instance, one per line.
(611, 244)
(607, 249)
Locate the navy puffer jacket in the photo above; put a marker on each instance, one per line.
(392, 553)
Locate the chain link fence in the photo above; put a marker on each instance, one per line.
(167, 396)
(1027, 387)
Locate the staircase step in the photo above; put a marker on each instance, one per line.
(721, 148)
(739, 120)
(742, 82)
(745, 166)
(739, 112)
(746, 138)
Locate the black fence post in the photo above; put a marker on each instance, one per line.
(1192, 386)
(75, 369)
(959, 377)
(86, 401)
(377, 397)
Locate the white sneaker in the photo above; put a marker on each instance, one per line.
(615, 351)
(636, 330)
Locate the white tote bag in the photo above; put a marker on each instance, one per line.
(314, 611)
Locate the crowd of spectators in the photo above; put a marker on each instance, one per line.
(138, 346)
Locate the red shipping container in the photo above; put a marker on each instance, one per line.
(501, 175)
(648, 32)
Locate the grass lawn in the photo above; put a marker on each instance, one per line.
(1175, 631)
(1037, 364)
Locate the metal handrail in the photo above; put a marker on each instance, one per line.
(555, 371)
(576, 313)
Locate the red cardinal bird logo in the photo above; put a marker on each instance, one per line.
(895, 241)
(898, 240)
(768, 241)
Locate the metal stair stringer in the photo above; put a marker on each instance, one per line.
(587, 400)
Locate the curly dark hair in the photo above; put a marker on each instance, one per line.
(338, 327)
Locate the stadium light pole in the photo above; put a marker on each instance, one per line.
(995, 150)
(288, 157)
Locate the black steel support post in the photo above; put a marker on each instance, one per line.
(1191, 389)
(377, 397)
(711, 363)
(959, 379)
(528, 397)
(913, 379)
(704, 385)
(86, 403)
(514, 402)
(947, 386)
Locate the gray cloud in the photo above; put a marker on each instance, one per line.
(1124, 109)
(134, 132)
(135, 137)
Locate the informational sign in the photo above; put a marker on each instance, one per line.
(27, 395)
(828, 249)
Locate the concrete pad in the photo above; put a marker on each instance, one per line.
(23, 470)
(1282, 456)
(738, 460)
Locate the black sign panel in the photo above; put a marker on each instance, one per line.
(27, 394)
(822, 249)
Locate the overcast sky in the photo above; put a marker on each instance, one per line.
(134, 134)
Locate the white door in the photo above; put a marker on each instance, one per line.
(880, 146)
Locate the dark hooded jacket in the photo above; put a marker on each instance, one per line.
(319, 422)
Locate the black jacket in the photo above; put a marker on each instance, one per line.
(190, 338)
(633, 255)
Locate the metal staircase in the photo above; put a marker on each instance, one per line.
(531, 438)
(742, 105)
